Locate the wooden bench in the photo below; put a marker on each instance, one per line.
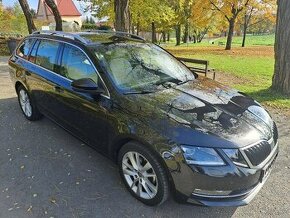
(198, 66)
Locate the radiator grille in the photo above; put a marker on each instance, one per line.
(258, 153)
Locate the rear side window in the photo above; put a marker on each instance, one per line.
(46, 54)
(76, 65)
(24, 48)
(32, 57)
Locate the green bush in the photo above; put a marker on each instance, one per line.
(89, 26)
(4, 51)
(104, 27)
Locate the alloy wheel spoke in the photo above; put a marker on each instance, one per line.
(146, 189)
(128, 165)
(149, 175)
(150, 185)
(133, 160)
(139, 188)
(22, 96)
(28, 109)
(146, 167)
(134, 183)
(129, 172)
(24, 108)
(138, 161)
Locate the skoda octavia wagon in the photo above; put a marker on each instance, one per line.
(168, 129)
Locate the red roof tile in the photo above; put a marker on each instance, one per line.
(65, 8)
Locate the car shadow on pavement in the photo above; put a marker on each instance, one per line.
(47, 172)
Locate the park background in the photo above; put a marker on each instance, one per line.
(199, 29)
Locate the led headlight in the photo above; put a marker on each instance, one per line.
(236, 156)
(202, 156)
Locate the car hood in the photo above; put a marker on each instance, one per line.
(210, 108)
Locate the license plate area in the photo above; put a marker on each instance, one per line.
(266, 171)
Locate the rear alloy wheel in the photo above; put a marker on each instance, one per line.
(28, 108)
(142, 174)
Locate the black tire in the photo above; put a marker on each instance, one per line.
(35, 114)
(163, 184)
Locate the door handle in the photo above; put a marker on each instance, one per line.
(58, 89)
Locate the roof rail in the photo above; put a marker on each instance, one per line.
(133, 36)
(62, 34)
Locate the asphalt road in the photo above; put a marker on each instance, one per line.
(46, 172)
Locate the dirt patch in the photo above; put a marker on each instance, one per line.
(232, 80)
(253, 51)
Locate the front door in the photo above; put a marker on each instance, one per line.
(85, 114)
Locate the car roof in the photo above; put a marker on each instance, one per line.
(90, 37)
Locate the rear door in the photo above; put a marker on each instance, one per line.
(43, 77)
(19, 66)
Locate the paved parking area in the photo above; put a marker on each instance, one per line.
(46, 172)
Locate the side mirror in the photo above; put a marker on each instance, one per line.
(86, 85)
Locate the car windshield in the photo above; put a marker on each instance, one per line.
(141, 67)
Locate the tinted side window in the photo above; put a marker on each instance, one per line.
(46, 54)
(76, 65)
(32, 57)
(24, 48)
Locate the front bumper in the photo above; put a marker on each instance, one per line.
(207, 185)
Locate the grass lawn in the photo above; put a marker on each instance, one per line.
(260, 40)
(251, 40)
(248, 69)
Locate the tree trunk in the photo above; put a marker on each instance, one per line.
(230, 33)
(194, 38)
(138, 28)
(178, 34)
(168, 36)
(186, 32)
(281, 78)
(58, 22)
(154, 39)
(29, 20)
(121, 8)
(245, 31)
(130, 23)
(164, 36)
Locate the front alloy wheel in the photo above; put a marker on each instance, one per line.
(139, 175)
(143, 174)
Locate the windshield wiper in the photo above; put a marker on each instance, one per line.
(166, 81)
(183, 82)
(138, 92)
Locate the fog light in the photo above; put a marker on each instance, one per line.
(211, 193)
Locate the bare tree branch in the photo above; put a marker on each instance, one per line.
(29, 20)
(219, 9)
(58, 21)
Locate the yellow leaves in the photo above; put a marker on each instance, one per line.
(12, 20)
(144, 12)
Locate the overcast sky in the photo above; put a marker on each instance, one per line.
(32, 3)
